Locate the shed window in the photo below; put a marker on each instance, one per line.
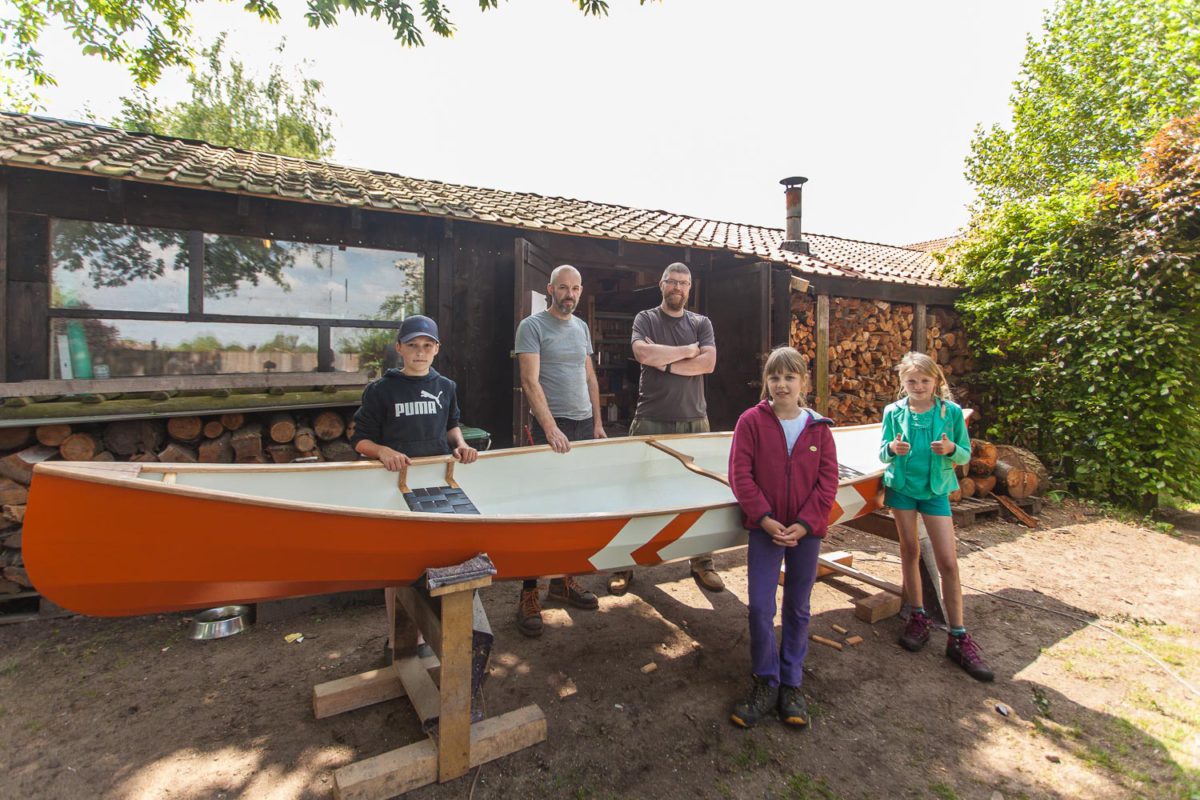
(117, 267)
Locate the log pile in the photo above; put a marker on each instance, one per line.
(275, 437)
(867, 338)
(1000, 469)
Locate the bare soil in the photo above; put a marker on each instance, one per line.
(132, 708)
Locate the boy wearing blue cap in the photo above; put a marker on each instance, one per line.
(411, 411)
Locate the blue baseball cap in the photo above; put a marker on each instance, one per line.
(415, 326)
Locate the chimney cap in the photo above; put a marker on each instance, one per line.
(795, 181)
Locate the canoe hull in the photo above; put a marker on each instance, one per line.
(120, 547)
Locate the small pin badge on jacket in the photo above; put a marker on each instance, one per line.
(812, 447)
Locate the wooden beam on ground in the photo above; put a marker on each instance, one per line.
(1014, 509)
(407, 768)
(362, 690)
(859, 575)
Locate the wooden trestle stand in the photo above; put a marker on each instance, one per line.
(454, 744)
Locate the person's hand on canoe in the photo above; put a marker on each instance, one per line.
(598, 431)
(392, 459)
(558, 440)
(466, 454)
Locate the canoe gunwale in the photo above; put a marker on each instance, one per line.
(125, 476)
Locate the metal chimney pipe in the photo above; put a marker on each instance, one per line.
(794, 188)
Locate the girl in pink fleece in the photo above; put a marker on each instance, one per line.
(784, 473)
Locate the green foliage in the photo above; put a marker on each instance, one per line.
(1082, 306)
(1104, 77)
(230, 108)
(148, 36)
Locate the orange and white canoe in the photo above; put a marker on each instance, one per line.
(138, 538)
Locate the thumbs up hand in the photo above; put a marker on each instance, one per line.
(899, 446)
(943, 446)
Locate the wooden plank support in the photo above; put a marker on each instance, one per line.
(362, 690)
(454, 724)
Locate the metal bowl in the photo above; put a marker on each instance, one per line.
(217, 623)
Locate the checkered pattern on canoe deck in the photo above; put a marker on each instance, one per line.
(847, 472)
(440, 500)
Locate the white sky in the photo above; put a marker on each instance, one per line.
(691, 106)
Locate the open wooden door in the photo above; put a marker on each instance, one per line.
(530, 278)
(738, 301)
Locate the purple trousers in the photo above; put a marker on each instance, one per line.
(783, 663)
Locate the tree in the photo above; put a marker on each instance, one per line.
(1104, 77)
(148, 36)
(1081, 304)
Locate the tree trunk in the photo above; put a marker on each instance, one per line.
(185, 429)
(305, 440)
(233, 421)
(983, 457)
(1028, 462)
(53, 435)
(79, 447)
(217, 451)
(281, 427)
(328, 425)
(213, 428)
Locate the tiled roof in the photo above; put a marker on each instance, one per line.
(933, 245)
(55, 144)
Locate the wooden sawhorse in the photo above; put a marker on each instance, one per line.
(454, 744)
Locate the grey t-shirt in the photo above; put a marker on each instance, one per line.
(670, 398)
(563, 346)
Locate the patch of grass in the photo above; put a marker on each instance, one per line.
(724, 789)
(8, 667)
(752, 755)
(943, 791)
(1041, 701)
(802, 787)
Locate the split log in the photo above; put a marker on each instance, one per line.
(177, 453)
(282, 453)
(213, 428)
(1016, 511)
(79, 447)
(53, 435)
(338, 450)
(247, 443)
(14, 513)
(281, 427)
(218, 450)
(18, 575)
(15, 438)
(128, 437)
(233, 421)
(185, 429)
(985, 486)
(967, 486)
(328, 425)
(1028, 461)
(305, 439)
(1014, 480)
(983, 457)
(103, 455)
(18, 466)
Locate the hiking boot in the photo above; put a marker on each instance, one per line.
(792, 708)
(569, 590)
(707, 577)
(963, 651)
(529, 613)
(916, 632)
(618, 582)
(761, 702)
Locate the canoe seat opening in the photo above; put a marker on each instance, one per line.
(440, 500)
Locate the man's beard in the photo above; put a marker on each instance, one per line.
(565, 306)
(674, 302)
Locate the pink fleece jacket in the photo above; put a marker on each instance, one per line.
(768, 482)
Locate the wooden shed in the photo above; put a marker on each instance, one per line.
(134, 263)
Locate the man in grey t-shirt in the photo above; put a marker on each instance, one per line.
(676, 349)
(554, 352)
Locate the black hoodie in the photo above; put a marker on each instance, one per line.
(410, 415)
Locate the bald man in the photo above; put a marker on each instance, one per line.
(554, 351)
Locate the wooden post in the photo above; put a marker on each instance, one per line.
(919, 327)
(821, 391)
(3, 275)
(455, 745)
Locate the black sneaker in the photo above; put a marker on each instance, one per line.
(570, 591)
(916, 632)
(963, 651)
(761, 702)
(529, 613)
(792, 708)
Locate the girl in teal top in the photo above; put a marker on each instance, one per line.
(924, 436)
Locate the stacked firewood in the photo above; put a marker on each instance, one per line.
(276, 437)
(1000, 469)
(867, 338)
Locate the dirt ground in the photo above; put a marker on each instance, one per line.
(132, 708)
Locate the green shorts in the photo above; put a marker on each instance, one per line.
(934, 506)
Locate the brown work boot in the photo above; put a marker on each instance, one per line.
(529, 613)
(706, 576)
(568, 590)
(618, 582)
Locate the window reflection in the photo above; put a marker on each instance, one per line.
(266, 277)
(88, 348)
(117, 267)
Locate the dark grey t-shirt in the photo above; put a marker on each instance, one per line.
(563, 345)
(671, 398)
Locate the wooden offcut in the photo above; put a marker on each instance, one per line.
(824, 641)
(878, 606)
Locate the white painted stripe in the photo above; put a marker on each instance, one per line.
(618, 553)
(851, 502)
(717, 529)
